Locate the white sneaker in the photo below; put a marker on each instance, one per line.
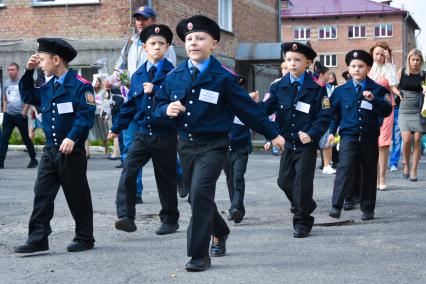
(393, 168)
(328, 170)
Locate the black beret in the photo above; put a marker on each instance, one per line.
(198, 23)
(360, 55)
(157, 30)
(300, 48)
(346, 75)
(57, 46)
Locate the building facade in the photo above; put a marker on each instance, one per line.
(100, 28)
(335, 27)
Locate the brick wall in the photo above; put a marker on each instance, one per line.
(107, 20)
(343, 44)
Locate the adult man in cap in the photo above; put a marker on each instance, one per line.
(358, 107)
(131, 58)
(68, 109)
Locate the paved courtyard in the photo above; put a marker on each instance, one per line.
(389, 249)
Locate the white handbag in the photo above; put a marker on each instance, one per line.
(423, 112)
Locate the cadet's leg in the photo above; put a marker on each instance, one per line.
(303, 188)
(164, 161)
(239, 169)
(205, 219)
(286, 174)
(45, 190)
(348, 160)
(137, 156)
(368, 159)
(72, 171)
(227, 168)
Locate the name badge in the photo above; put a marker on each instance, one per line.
(303, 107)
(238, 121)
(208, 96)
(65, 108)
(366, 105)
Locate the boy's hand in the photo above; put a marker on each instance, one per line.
(147, 88)
(112, 135)
(255, 96)
(368, 95)
(267, 146)
(67, 146)
(278, 142)
(174, 108)
(304, 137)
(33, 62)
(330, 138)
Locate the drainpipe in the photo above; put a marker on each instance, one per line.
(404, 41)
(279, 21)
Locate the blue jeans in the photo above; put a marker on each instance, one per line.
(396, 140)
(128, 137)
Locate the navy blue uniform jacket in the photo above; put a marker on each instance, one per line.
(203, 120)
(59, 120)
(139, 106)
(290, 121)
(358, 123)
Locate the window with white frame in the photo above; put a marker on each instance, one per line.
(63, 2)
(225, 14)
(328, 60)
(302, 33)
(327, 32)
(356, 32)
(383, 30)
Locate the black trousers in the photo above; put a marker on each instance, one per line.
(69, 171)
(162, 150)
(354, 155)
(296, 179)
(201, 165)
(235, 167)
(9, 123)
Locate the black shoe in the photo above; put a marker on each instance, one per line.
(32, 247)
(126, 224)
(33, 163)
(182, 191)
(349, 204)
(199, 264)
(293, 210)
(139, 200)
(119, 166)
(321, 166)
(335, 212)
(367, 215)
(218, 247)
(1, 166)
(166, 229)
(301, 232)
(413, 179)
(237, 216)
(77, 246)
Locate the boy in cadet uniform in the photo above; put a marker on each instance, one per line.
(358, 106)
(202, 97)
(155, 138)
(303, 113)
(235, 166)
(68, 109)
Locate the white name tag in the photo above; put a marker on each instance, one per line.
(238, 121)
(366, 105)
(208, 96)
(303, 107)
(65, 108)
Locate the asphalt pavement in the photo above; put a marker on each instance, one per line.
(389, 249)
